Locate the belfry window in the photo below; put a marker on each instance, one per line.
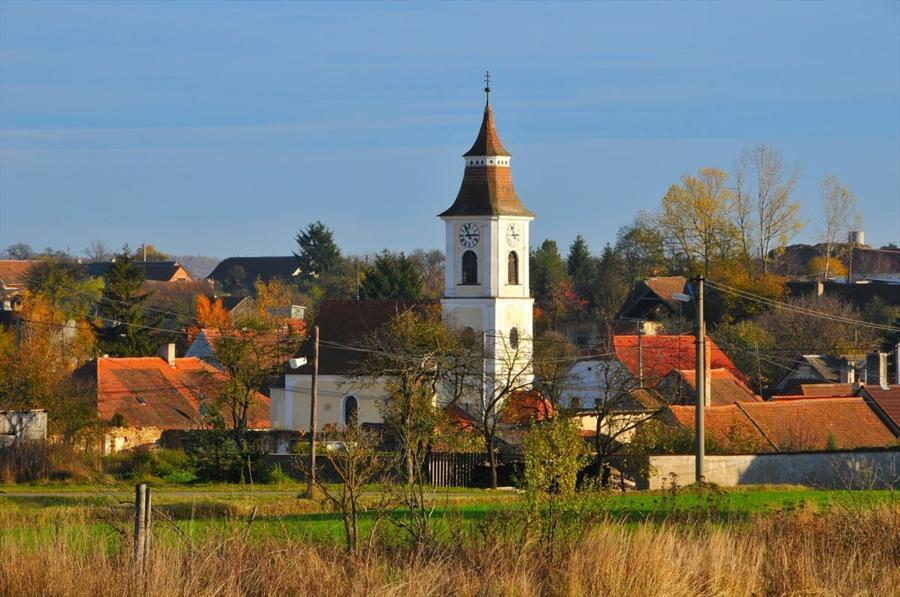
(469, 268)
(512, 269)
(514, 338)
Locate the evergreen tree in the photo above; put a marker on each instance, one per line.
(582, 270)
(548, 271)
(317, 253)
(392, 277)
(611, 284)
(122, 326)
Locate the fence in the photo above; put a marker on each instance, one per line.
(454, 469)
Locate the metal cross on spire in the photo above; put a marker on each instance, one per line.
(487, 87)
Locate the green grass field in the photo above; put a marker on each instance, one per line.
(44, 512)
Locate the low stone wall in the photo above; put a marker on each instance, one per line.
(830, 470)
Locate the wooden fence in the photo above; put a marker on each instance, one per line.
(453, 469)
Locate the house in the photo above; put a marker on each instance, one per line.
(653, 298)
(154, 271)
(799, 425)
(858, 294)
(882, 264)
(13, 279)
(238, 306)
(885, 401)
(144, 396)
(813, 369)
(237, 275)
(486, 289)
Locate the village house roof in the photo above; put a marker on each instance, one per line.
(664, 354)
(796, 425)
(867, 262)
(487, 187)
(857, 294)
(264, 268)
(148, 392)
(154, 271)
(343, 325)
(885, 402)
(648, 296)
(725, 387)
(14, 272)
(726, 424)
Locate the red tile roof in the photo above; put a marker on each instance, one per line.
(665, 286)
(148, 392)
(815, 423)
(726, 388)
(523, 407)
(729, 426)
(887, 400)
(664, 354)
(826, 389)
(14, 272)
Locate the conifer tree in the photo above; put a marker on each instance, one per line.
(393, 277)
(122, 326)
(317, 253)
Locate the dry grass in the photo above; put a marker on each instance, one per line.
(842, 552)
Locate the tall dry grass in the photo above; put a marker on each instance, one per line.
(835, 553)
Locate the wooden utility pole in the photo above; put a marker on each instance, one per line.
(312, 410)
(700, 377)
(142, 509)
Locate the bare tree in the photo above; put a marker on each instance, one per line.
(839, 214)
(430, 264)
(353, 456)
(765, 214)
(19, 251)
(98, 251)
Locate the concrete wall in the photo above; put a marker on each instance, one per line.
(831, 470)
(21, 425)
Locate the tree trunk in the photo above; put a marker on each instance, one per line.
(492, 460)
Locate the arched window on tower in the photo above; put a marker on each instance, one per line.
(512, 269)
(351, 411)
(469, 268)
(514, 338)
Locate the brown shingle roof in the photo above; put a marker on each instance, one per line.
(487, 189)
(148, 392)
(343, 324)
(14, 272)
(887, 400)
(488, 141)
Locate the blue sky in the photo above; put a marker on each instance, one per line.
(221, 128)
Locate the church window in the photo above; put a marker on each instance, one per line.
(514, 338)
(512, 269)
(351, 411)
(469, 268)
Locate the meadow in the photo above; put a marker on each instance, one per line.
(235, 540)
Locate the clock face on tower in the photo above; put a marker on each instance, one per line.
(513, 235)
(469, 235)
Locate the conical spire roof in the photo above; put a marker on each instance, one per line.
(487, 188)
(488, 141)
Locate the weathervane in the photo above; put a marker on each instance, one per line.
(487, 87)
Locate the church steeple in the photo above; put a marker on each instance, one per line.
(487, 187)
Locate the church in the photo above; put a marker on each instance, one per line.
(486, 288)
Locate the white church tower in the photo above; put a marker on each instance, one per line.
(487, 240)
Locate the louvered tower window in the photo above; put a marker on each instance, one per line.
(512, 269)
(469, 268)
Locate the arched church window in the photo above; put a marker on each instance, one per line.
(514, 337)
(512, 269)
(470, 268)
(351, 411)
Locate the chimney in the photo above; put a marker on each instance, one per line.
(820, 287)
(876, 368)
(167, 352)
(848, 372)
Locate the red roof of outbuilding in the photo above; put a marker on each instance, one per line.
(148, 392)
(14, 272)
(887, 400)
(726, 387)
(664, 354)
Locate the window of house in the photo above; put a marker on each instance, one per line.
(470, 268)
(514, 337)
(512, 269)
(351, 411)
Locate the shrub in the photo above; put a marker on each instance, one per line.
(216, 456)
(146, 462)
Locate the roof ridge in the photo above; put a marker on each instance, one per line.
(758, 427)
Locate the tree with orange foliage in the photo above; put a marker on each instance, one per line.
(211, 313)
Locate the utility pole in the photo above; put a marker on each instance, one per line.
(700, 377)
(312, 411)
